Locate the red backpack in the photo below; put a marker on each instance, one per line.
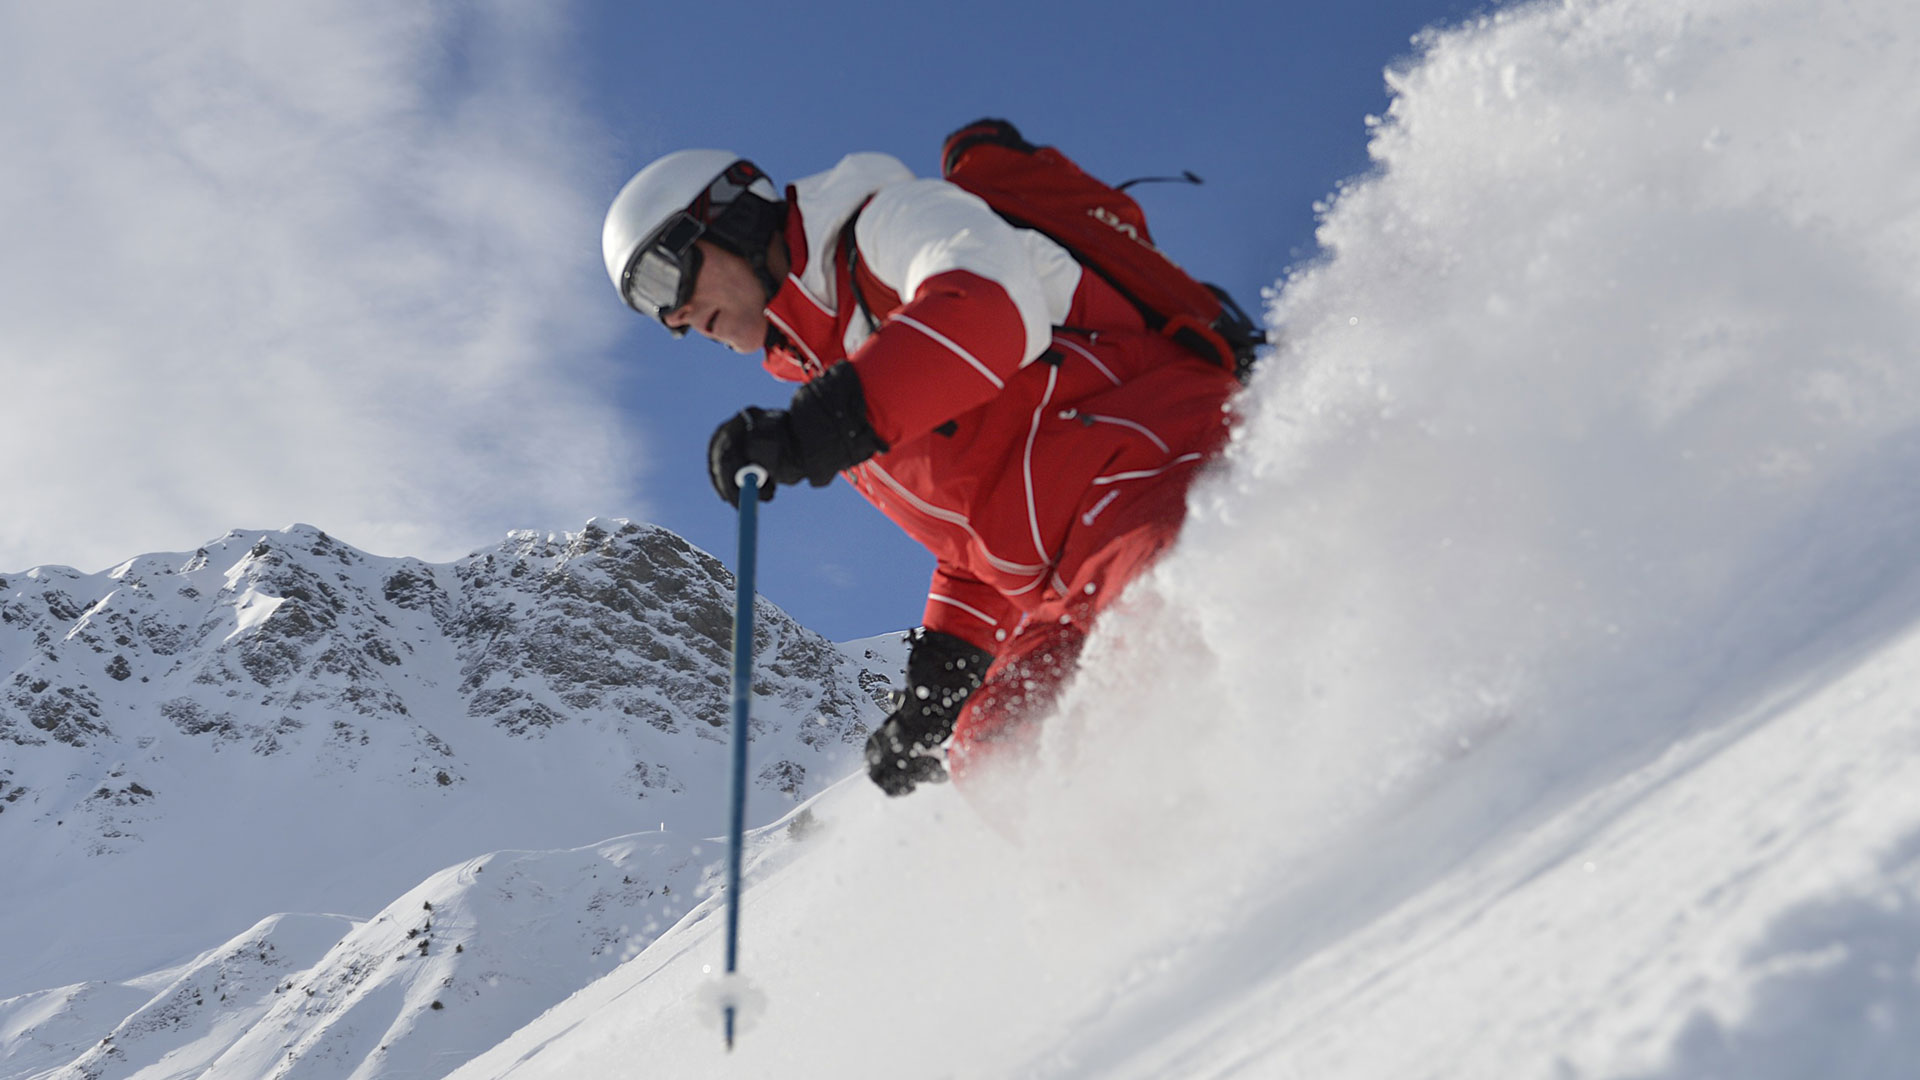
(1039, 188)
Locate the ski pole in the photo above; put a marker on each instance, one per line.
(748, 479)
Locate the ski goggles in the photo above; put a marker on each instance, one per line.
(660, 277)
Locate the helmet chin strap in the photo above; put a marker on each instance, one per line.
(747, 227)
(765, 275)
(769, 281)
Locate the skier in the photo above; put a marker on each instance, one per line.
(1008, 410)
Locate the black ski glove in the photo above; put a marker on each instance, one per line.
(824, 430)
(942, 670)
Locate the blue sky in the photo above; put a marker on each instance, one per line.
(337, 262)
(1265, 101)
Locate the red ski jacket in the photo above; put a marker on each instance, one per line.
(1019, 398)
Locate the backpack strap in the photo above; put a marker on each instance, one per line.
(850, 259)
(850, 263)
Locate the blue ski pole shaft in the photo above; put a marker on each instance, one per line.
(749, 480)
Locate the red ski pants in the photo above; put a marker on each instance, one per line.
(999, 721)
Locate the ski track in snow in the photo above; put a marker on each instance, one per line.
(1532, 692)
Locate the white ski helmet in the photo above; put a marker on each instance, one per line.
(651, 227)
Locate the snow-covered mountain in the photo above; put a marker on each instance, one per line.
(278, 723)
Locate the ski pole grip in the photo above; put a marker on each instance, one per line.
(758, 472)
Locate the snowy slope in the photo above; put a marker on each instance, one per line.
(1532, 694)
(178, 1019)
(476, 950)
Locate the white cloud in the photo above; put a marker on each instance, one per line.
(323, 262)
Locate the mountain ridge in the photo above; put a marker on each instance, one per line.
(385, 716)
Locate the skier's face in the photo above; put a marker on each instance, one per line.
(728, 304)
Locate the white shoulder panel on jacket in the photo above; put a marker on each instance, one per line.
(917, 229)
